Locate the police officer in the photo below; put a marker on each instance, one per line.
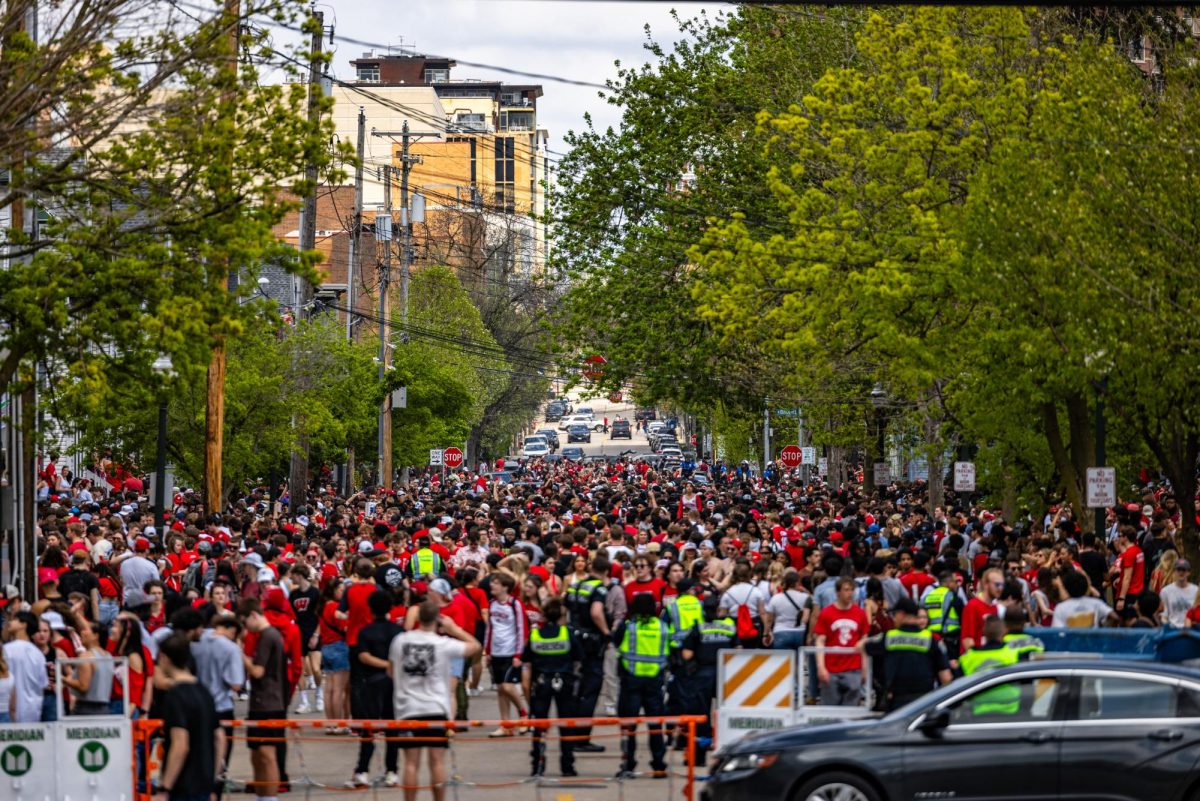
(590, 624)
(1003, 699)
(681, 614)
(944, 605)
(549, 675)
(642, 644)
(914, 660)
(1015, 638)
(425, 561)
(698, 676)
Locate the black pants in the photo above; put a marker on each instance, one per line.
(642, 695)
(591, 680)
(372, 700)
(543, 692)
(697, 692)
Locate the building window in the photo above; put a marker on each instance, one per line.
(516, 120)
(505, 156)
(471, 122)
(437, 76)
(510, 98)
(1137, 49)
(368, 73)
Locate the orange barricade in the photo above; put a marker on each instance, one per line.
(301, 731)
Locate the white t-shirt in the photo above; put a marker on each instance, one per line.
(28, 668)
(1079, 608)
(742, 595)
(1177, 601)
(788, 608)
(421, 673)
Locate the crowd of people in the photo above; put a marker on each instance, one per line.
(577, 590)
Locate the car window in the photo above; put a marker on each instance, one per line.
(1028, 700)
(1124, 698)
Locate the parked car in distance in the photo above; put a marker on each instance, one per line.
(585, 410)
(620, 429)
(644, 414)
(535, 447)
(1077, 729)
(586, 420)
(572, 454)
(579, 433)
(551, 437)
(552, 457)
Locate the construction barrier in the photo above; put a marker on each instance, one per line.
(310, 778)
(76, 758)
(761, 690)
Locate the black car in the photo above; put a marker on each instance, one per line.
(579, 433)
(1062, 728)
(620, 429)
(644, 414)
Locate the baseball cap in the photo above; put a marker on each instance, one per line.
(706, 544)
(690, 546)
(1183, 564)
(265, 574)
(47, 575)
(54, 620)
(141, 544)
(365, 547)
(252, 558)
(441, 587)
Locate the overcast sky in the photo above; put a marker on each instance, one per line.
(578, 40)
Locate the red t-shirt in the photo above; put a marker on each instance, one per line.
(463, 612)
(357, 609)
(842, 628)
(1132, 557)
(796, 556)
(654, 586)
(915, 582)
(332, 629)
(972, 623)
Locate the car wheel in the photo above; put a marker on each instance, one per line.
(836, 787)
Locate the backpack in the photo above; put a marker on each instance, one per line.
(746, 628)
(193, 577)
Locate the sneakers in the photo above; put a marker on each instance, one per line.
(569, 772)
(391, 779)
(303, 708)
(625, 774)
(359, 780)
(588, 748)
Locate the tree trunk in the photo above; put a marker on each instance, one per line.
(935, 448)
(1062, 460)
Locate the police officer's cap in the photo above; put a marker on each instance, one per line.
(906, 605)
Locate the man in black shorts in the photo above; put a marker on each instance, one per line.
(267, 671)
(420, 670)
(371, 689)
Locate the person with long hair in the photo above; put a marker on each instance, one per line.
(335, 655)
(125, 639)
(1164, 571)
(91, 681)
(579, 571)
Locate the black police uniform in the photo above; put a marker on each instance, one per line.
(580, 598)
(912, 659)
(551, 654)
(698, 679)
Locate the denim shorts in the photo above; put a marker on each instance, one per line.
(335, 657)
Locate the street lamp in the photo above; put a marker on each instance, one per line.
(164, 368)
(879, 400)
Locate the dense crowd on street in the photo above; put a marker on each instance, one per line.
(577, 590)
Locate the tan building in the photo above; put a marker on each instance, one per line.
(480, 160)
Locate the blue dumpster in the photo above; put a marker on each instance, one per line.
(1156, 645)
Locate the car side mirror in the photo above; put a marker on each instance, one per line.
(935, 723)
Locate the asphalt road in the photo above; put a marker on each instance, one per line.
(484, 769)
(602, 444)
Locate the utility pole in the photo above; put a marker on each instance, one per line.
(385, 278)
(298, 468)
(766, 435)
(356, 224)
(214, 411)
(352, 262)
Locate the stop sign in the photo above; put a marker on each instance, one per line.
(453, 458)
(791, 456)
(593, 367)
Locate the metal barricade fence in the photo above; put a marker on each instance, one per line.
(313, 776)
(96, 668)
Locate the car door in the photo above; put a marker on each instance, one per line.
(989, 750)
(1129, 735)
